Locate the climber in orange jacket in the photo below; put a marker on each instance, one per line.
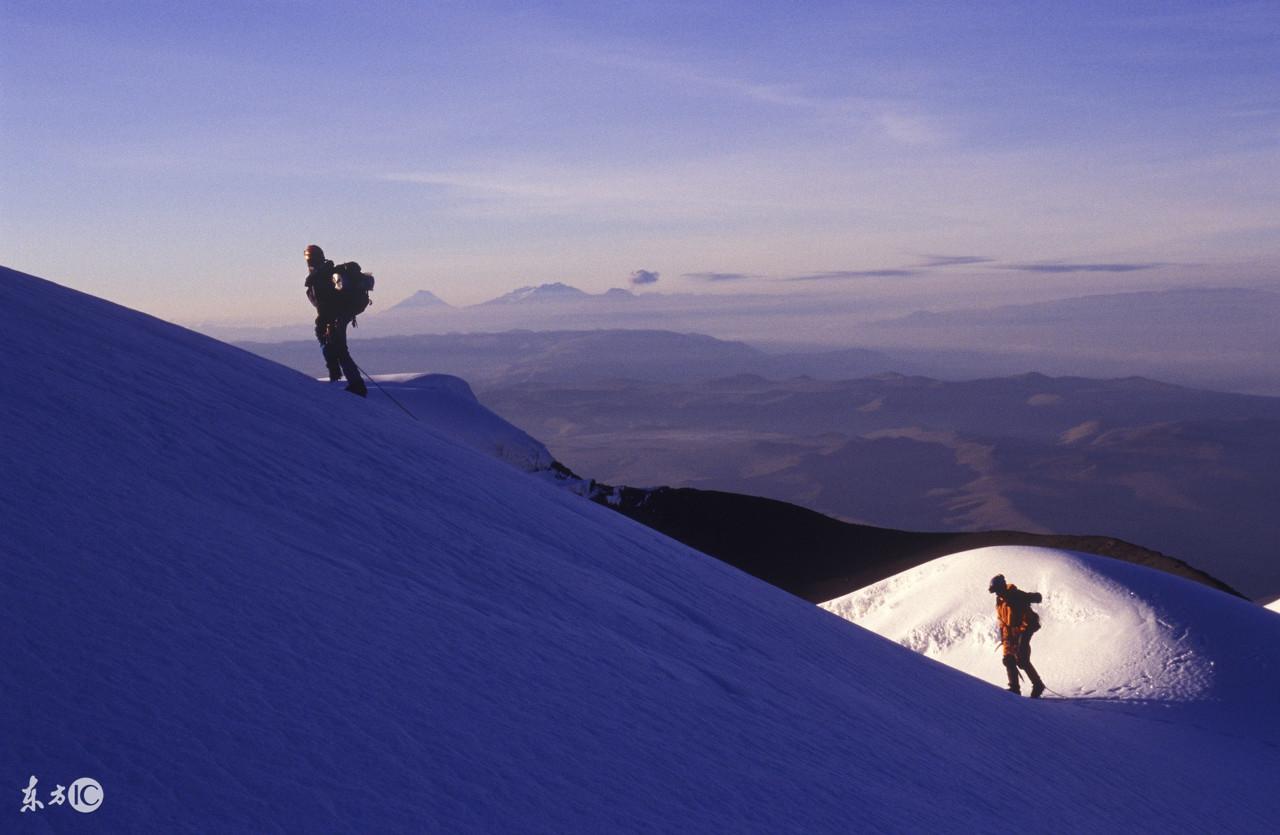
(1017, 624)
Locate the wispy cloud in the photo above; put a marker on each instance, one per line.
(929, 262)
(954, 260)
(911, 129)
(1052, 267)
(510, 186)
(700, 189)
(893, 118)
(714, 277)
(842, 275)
(641, 278)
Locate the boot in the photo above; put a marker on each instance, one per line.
(1037, 686)
(1011, 667)
(355, 380)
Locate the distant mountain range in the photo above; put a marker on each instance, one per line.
(554, 293)
(1222, 339)
(1196, 307)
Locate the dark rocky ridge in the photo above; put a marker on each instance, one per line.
(819, 558)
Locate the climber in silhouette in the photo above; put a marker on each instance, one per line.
(1017, 624)
(332, 318)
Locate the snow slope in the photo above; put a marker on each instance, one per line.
(242, 600)
(449, 406)
(1109, 629)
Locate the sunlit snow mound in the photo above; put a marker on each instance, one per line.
(1109, 628)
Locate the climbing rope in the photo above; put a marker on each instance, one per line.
(384, 391)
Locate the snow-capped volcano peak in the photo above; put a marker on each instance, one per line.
(555, 292)
(420, 299)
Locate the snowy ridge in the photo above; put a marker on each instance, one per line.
(1109, 629)
(449, 406)
(243, 600)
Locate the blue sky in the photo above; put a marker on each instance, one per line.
(178, 156)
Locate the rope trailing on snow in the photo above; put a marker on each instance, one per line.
(384, 391)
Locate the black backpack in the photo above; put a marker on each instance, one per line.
(353, 286)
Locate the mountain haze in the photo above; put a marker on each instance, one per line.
(1207, 337)
(577, 356)
(1182, 471)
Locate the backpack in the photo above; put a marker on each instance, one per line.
(353, 286)
(1021, 615)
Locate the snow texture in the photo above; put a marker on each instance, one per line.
(243, 600)
(448, 406)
